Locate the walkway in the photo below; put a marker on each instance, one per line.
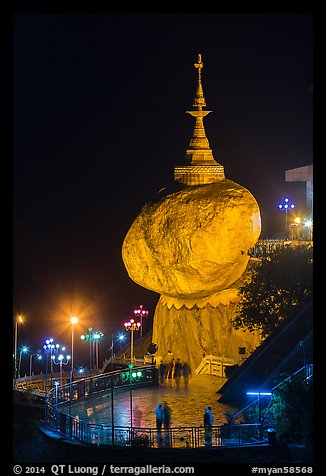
(186, 401)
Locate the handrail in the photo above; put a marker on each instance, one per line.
(57, 418)
(304, 368)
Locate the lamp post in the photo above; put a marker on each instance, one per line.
(61, 362)
(49, 348)
(140, 312)
(297, 227)
(132, 326)
(23, 350)
(121, 338)
(39, 357)
(97, 337)
(286, 205)
(56, 384)
(93, 337)
(73, 321)
(130, 397)
(19, 320)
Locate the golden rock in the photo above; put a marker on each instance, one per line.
(195, 242)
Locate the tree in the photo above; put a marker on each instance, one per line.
(292, 410)
(279, 286)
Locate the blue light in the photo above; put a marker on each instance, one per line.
(260, 393)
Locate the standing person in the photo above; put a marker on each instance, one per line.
(167, 422)
(208, 423)
(169, 361)
(178, 372)
(137, 416)
(159, 419)
(186, 372)
(161, 372)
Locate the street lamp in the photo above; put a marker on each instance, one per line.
(132, 326)
(286, 205)
(19, 320)
(130, 397)
(121, 338)
(23, 350)
(49, 348)
(56, 384)
(39, 357)
(97, 336)
(61, 362)
(93, 337)
(73, 321)
(140, 312)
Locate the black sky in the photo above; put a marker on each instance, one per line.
(99, 123)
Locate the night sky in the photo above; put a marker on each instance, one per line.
(99, 123)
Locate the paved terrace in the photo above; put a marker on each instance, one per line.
(187, 402)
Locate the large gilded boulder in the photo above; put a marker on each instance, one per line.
(194, 242)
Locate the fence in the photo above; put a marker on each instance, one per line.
(58, 417)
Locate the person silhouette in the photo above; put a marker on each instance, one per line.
(137, 416)
(167, 422)
(159, 413)
(208, 423)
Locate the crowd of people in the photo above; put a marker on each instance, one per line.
(163, 420)
(173, 370)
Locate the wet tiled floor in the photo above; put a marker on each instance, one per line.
(187, 402)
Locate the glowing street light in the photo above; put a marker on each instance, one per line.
(97, 336)
(62, 360)
(140, 312)
(39, 357)
(73, 322)
(120, 338)
(56, 384)
(132, 326)
(93, 337)
(286, 205)
(50, 348)
(19, 320)
(23, 350)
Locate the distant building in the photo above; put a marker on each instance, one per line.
(303, 174)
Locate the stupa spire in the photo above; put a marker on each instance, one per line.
(201, 166)
(199, 98)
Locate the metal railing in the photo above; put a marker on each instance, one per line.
(101, 435)
(59, 419)
(89, 386)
